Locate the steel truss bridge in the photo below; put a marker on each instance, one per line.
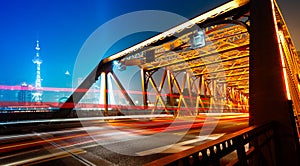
(215, 73)
(237, 57)
(224, 60)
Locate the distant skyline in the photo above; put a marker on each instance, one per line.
(62, 26)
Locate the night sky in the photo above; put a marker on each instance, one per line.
(62, 27)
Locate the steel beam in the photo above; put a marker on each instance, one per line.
(121, 88)
(144, 88)
(105, 93)
(268, 100)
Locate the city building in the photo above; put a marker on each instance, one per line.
(37, 93)
(24, 95)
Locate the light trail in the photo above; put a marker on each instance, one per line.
(176, 126)
(112, 91)
(87, 119)
(44, 158)
(111, 133)
(16, 107)
(69, 151)
(22, 136)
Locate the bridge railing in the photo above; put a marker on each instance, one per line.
(232, 149)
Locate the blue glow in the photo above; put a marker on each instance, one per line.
(62, 26)
(116, 63)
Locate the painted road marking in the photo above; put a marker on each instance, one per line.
(181, 146)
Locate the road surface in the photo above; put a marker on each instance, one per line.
(124, 141)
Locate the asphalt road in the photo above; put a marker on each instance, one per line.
(116, 142)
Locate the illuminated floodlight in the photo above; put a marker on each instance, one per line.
(120, 66)
(199, 39)
(116, 63)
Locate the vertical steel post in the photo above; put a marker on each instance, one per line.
(268, 100)
(199, 99)
(171, 93)
(105, 94)
(144, 89)
(188, 78)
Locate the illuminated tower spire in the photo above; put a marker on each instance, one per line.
(37, 95)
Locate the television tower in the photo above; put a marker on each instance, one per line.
(37, 94)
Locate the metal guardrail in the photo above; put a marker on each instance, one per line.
(243, 145)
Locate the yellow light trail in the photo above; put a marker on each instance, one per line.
(280, 40)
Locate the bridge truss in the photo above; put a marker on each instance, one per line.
(199, 66)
